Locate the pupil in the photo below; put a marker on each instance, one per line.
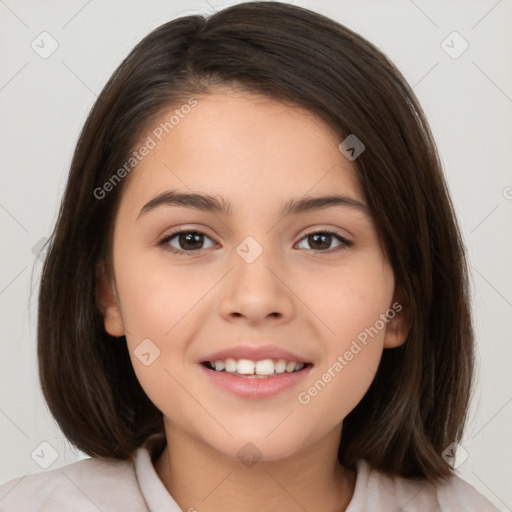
(193, 240)
(188, 239)
(318, 237)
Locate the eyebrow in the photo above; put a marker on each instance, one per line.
(221, 205)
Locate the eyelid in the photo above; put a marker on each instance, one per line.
(203, 230)
(325, 229)
(309, 231)
(345, 242)
(162, 240)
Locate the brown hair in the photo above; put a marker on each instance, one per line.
(417, 403)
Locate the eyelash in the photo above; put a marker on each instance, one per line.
(163, 242)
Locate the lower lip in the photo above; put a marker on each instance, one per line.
(255, 388)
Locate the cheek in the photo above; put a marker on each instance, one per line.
(351, 305)
(159, 304)
(349, 299)
(157, 296)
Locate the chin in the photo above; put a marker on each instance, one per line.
(254, 446)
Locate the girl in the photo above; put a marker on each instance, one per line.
(255, 297)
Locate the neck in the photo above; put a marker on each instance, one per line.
(200, 478)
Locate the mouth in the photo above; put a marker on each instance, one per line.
(255, 369)
(254, 379)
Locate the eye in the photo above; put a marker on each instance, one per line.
(322, 240)
(187, 241)
(192, 241)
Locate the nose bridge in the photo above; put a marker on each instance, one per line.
(255, 291)
(250, 250)
(254, 262)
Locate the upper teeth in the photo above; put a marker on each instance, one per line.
(263, 367)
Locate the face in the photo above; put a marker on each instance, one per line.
(254, 287)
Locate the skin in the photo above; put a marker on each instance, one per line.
(257, 153)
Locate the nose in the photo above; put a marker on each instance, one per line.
(257, 292)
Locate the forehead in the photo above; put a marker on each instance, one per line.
(245, 146)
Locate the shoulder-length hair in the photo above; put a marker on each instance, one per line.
(417, 403)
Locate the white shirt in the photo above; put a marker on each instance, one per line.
(111, 485)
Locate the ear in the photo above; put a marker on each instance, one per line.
(106, 298)
(398, 326)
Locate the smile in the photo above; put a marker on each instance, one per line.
(254, 380)
(248, 368)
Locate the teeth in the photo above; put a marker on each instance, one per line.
(264, 367)
(230, 365)
(245, 367)
(280, 366)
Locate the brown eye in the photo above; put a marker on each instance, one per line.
(321, 241)
(184, 241)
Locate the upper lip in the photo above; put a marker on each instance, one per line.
(255, 353)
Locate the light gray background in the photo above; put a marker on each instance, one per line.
(468, 101)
